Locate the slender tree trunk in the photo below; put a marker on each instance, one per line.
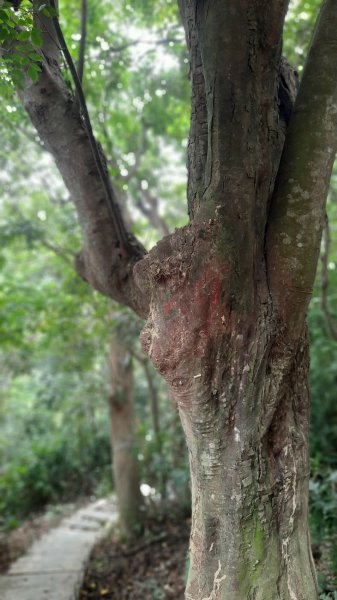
(125, 465)
(154, 408)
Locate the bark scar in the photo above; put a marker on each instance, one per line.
(216, 584)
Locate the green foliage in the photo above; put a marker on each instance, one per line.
(48, 469)
(323, 496)
(299, 26)
(54, 329)
(20, 39)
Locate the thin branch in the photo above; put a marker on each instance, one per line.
(119, 227)
(328, 319)
(154, 402)
(146, 202)
(34, 138)
(126, 45)
(81, 58)
(151, 211)
(155, 540)
(39, 236)
(60, 252)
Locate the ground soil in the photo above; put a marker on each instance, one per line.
(154, 567)
(151, 567)
(157, 562)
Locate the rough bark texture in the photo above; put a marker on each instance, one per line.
(125, 466)
(243, 399)
(227, 318)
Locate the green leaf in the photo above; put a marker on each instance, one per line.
(36, 37)
(4, 15)
(34, 56)
(23, 36)
(33, 71)
(3, 33)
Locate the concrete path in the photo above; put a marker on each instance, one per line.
(53, 567)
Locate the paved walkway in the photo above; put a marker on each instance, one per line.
(53, 567)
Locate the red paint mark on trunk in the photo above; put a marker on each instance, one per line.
(170, 306)
(215, 291)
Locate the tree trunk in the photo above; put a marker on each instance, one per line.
(244, 404)
(125, 465)
(154, 408)
(227, 316)
(249, 484)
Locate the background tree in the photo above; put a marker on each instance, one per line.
(44, 227)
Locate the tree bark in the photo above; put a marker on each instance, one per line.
(125, 464)
(244, 404)
(227, 321)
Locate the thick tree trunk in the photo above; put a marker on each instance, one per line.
(125, 465)
(249, 486)
(224, 330)
(243, 399)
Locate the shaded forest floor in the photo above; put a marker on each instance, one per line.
(154, 567)
(157, 563)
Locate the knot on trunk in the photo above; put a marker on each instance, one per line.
(189, 308)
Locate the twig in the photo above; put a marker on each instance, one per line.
(60, 252)
(155, 540)
(165, 42)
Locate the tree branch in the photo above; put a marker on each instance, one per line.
(84, 16)
(328, 319)
(150, 209)
(163, 42)
(56, 117)
(297, 210)
(101, 168)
